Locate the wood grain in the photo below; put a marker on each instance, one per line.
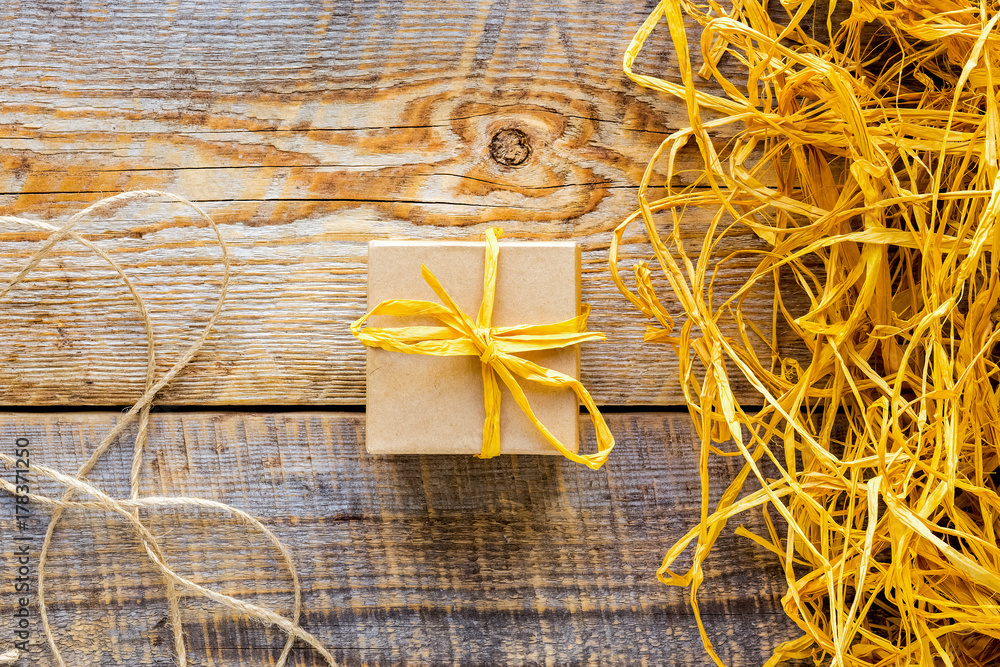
(405, 560)
(73, 337)
(307, 129)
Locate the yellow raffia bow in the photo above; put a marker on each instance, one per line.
(496, 348)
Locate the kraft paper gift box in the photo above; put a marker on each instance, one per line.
(420, 404)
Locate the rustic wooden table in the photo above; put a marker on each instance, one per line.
(306, 129)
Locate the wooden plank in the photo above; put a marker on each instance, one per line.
(72, 336)
(307, 129)
(411, 560)
(386, 110)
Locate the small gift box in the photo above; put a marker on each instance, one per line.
(473, 349)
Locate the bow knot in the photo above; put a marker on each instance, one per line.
(496, 347)
(487, 346)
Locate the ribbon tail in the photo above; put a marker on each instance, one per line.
(491, 426)
(548, 377)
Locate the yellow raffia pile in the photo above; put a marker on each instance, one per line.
(863, 152)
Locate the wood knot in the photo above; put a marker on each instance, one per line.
(510, 147)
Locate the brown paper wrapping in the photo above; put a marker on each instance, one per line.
(419, 404)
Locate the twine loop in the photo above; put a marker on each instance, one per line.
(128, 509)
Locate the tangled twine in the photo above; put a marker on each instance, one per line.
(868, 164)
(128, 509)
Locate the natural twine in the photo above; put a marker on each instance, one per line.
(128, 509)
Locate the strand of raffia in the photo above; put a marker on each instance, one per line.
(868, 165)
(129, 509)
(496, 347)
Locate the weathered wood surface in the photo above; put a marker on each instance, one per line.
(307, 129)
(72, 336)
(412, 560)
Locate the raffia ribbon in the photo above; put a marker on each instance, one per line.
(496, 347)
